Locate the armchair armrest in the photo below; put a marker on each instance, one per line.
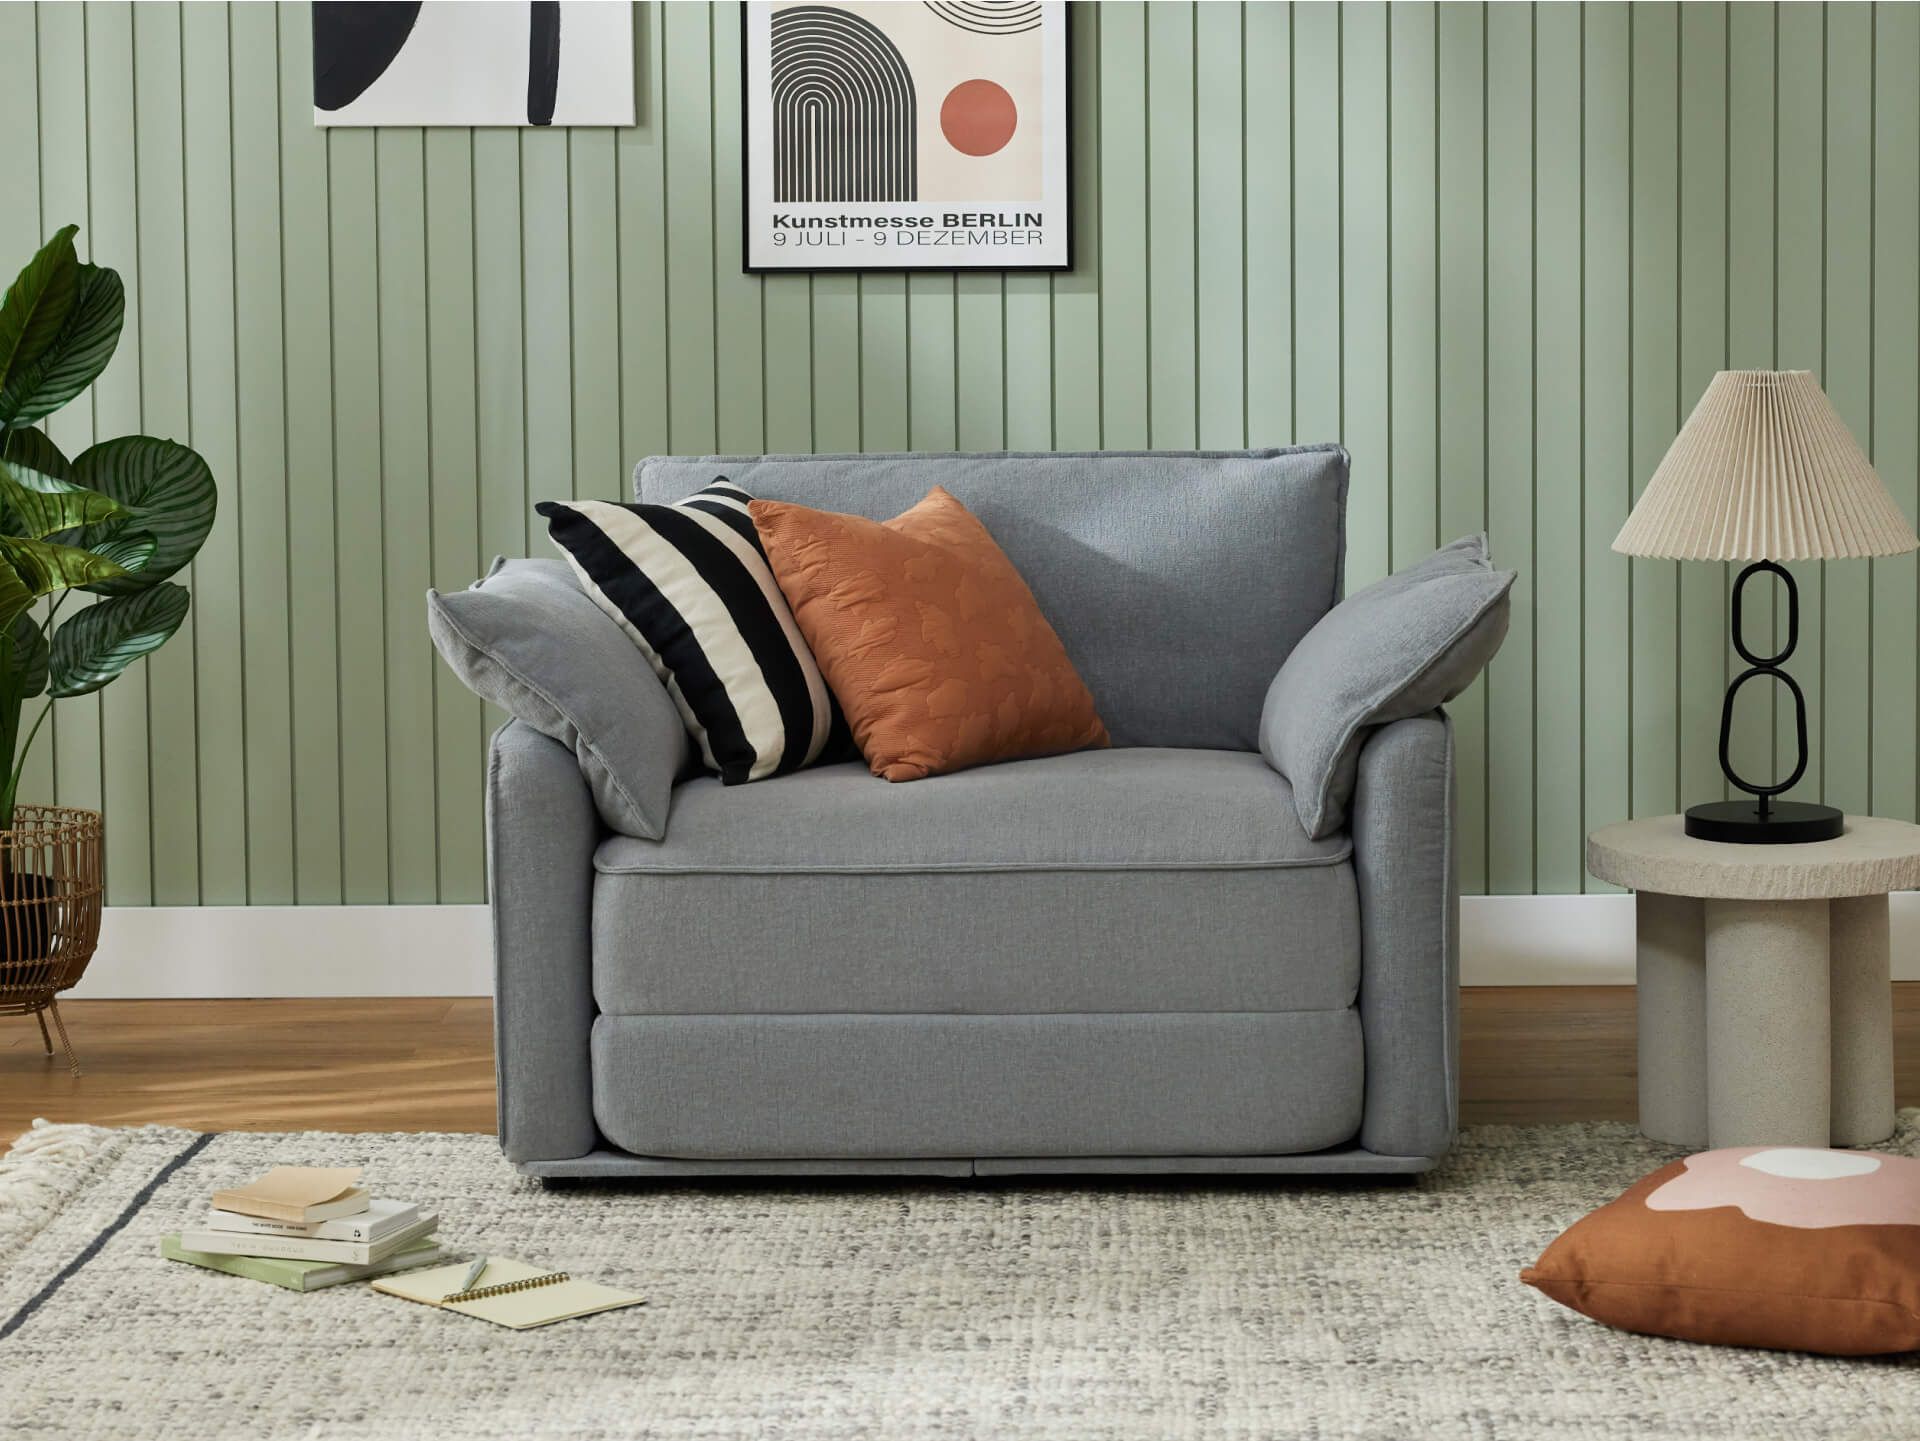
(1407, 871)
(542, 829)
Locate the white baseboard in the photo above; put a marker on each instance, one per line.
(191, 951)
(1588, 940)
(194, 951)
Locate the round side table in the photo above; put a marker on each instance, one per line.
(1765, 999)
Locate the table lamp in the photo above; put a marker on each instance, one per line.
(1764, 471)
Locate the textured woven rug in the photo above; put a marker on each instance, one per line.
(896, 1310)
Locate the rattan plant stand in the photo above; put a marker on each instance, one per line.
(49, 911)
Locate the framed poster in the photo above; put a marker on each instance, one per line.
(887, 135)
(472, 62)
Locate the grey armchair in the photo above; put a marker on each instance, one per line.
(1124, 960)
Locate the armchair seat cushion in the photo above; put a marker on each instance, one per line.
(1137, 880)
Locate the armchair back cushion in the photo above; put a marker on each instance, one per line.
(1178, 582)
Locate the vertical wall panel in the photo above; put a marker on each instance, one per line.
(499, 384)
(1029, 363)
(1172, 335)
(261, 502)
(359, 543)
(46, 186)
(1076, 295)
(1511, 383)
(1701, 177)
(1559, 345)
(1800, 280)
(979, 308)
(639, 187)
(738, 361)
(1314, 260)
(406, 535)
(1606, 468)
(1895, 440)
(931, 390)
(457, 763)
(20, 119)
(1653, 304)
(1846, 371)
(1364, 322)
(1413, 380)
(1752, 323)
(1123, 228)
(1220, 271)
(22, 235)
(1267, 75)
(1463, 398)
(312, 525)
(883, 362)
(1498, 251)
(593, 236)
(687, 122)
(219, 683)
(172, 768)
(835, 304)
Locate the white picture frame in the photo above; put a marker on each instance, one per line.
(474, 63)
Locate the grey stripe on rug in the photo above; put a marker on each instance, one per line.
(1083, 1309)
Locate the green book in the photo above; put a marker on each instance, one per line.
(301, 1275)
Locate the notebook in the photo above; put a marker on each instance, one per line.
(511, 1293)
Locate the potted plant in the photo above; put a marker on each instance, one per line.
(114, 522)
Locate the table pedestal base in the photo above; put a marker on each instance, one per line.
(1765, 1023)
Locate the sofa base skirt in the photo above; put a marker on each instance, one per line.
(619, 1166)
(837, 1088)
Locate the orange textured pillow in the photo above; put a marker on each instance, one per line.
(1801, 1250)
(928, 636)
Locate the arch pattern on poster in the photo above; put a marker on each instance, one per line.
(844, 126)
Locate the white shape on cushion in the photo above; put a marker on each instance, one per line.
(1802, 1164)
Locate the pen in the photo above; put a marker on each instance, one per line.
(474, 1273)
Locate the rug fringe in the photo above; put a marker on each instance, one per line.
(43, 1165)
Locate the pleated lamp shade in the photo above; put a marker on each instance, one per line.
(1765, 469)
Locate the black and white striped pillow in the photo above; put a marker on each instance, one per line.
(690, 583)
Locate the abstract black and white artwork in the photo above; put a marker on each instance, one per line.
(473, 62)
(905, 136)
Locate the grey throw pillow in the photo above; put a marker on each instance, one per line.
(527, 638)
(1396, 649)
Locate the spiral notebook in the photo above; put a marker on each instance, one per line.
(513, 1294)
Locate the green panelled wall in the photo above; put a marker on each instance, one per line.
(1498, 250)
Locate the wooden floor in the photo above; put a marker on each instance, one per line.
(1527, 1054)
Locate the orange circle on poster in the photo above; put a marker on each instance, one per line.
(978, 117)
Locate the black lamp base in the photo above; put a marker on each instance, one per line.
(1782, 823)
(1762, 820)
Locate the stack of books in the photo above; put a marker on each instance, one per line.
(305, 1227)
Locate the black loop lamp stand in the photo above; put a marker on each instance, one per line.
(1763, 820)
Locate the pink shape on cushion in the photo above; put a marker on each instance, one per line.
(1886, 1196)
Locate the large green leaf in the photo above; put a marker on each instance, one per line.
(38, 505)
(130, 550)
(36, 462)
(15, 598)
(168, 493)
(43, 567)
(37, 303)
(104, 639)
(34, 450)
(77, 354)
(29, 656)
